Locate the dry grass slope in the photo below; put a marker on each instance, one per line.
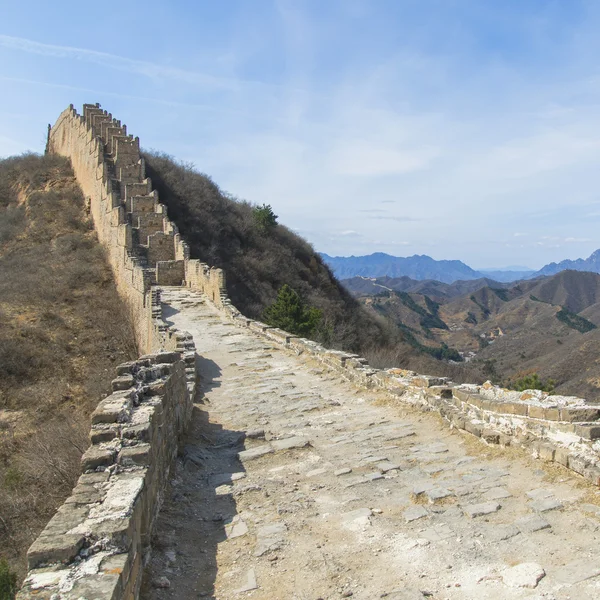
(62, 329)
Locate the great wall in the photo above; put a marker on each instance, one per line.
(346, 480)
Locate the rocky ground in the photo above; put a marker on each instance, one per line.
(294, 484)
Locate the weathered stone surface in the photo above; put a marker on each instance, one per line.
(478, 510)
(525, 575)
(54, 549)
(96, 456)
(254, 453)
(413, 513)
(290, 443)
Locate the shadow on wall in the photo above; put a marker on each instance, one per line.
(199, 511)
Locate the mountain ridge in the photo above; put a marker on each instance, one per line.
(421, 267)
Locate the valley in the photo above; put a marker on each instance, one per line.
(547, 326)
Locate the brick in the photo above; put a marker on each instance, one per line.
(124, 382)
(95, 457)
(490, 436)
(579, 415)
(588, 432)
(547, 452)
(561, 456)
(536, 412)
(54, 549)
(135, 455)
(99, 434)
(578, 464)
(473, 428)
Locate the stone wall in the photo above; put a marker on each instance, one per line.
(562, 429)
(144, 247)
(94, 545)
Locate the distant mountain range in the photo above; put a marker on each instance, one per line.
(549, 325)
(423, 267)
(417, 267)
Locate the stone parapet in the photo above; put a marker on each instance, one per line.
(563, 429)
(95, 544)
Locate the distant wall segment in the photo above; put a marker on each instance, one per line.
(95, 544)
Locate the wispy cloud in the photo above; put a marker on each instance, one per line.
(122, 63)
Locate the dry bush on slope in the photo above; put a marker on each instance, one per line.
(223, 233)
(62, 330)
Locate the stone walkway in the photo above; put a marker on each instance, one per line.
(296, 485)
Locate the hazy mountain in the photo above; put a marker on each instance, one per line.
(417, 267)
(591, 263)
(509, 274)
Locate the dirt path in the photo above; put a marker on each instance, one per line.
(345, 496)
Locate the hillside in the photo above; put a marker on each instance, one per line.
(438, 291)
(417, 267)
(222, 232)
(63, 328)
(548, 325)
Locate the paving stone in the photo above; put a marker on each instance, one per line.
(525, 575)
(269, 538)
(545, 505)
(251, 583)
(413, 513)
(316, 472)
(254, 453)
(437, 533)
(496, 493)
(344, 471)
(500, 533)
(532, 524)
(539, 494)
(384, 467)
(577, 571)
(435, 494)
(478, 510)
(237, 529)
(290, 443)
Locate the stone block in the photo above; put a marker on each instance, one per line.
(579, 415)
(54, 549)
(126, 368)
(137, 432)
(462, 395)
(547, 451)
(561, 456)
(167, 357)
(473, 428)
(116, 408)
(135, 455)
(536, 412)
(490, 436)
(95, 457)
(99, 433)
(592, 474)
(123, 382)
(588, 432)
(578, 463)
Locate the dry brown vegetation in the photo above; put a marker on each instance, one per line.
(62, 330)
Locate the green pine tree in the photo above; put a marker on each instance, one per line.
(289, 313)
(264, 217)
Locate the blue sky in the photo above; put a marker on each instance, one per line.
(464, 129)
